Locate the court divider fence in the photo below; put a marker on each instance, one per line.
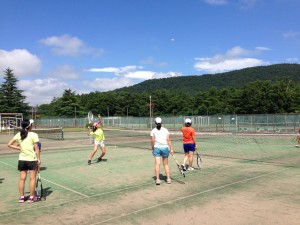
(254, 123)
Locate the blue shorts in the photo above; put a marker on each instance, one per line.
(161, 152)
(188, 148)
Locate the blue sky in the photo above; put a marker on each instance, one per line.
(101, 45)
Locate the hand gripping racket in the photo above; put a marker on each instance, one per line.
(39, 185)
(179, 167)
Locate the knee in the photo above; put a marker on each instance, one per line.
(22, 179)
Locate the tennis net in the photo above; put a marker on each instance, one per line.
(47, 133)
(270, 148)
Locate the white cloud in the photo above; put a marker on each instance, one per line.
(42, 91)
(262, 48)
(108, 84)
(20, 61)
(124, 77)
(133, 72)
(166, 75)
(144, 75)
(115, 70)
(227, 65)
(69, 46)
(233, 59)
(216, 2)
(65, 72)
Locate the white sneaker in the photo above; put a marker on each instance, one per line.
(157, 182)
(190, 169)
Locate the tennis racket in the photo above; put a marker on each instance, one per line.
(179, 167)
(199, 160)
(39, 185)
(90, 117)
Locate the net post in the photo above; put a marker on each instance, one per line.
(62, 134)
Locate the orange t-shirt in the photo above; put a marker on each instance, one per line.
(188, 134)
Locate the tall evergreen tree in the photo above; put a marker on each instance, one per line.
(11, 98)
(67, 105)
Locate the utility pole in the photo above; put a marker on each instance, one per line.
(150, 113)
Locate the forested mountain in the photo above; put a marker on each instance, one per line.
(257, 90)
(234, 79)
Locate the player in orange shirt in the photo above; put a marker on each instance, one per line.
(189, 144)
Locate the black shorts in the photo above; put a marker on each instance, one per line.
(27, 165)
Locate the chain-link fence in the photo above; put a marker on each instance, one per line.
(258, 123)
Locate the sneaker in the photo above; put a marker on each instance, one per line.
(190, 169)
(168, 181)
(157, 182)
(32, 199)
(99, 159)
(183, 167)
(89, 162)
(22, 199)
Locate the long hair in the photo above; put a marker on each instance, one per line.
(25, 126)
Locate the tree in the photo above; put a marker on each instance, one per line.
(67, 105)
(11, 98)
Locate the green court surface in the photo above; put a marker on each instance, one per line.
(243, 180)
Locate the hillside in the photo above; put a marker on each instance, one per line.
(235, 79)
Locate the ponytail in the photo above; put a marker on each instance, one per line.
(24, 132)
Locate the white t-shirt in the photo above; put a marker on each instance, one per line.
(160, 137)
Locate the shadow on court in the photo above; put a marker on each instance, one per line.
(42, 168)
(95, 161)
(164, 178)
(47, 191)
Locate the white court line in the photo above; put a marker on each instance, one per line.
(121, 190)
(64, 187)
(188, 196)
(77, 199)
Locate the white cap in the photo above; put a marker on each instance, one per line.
(31, 121)
(187, 120)
(157, 120)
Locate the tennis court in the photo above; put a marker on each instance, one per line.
(245, 179)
